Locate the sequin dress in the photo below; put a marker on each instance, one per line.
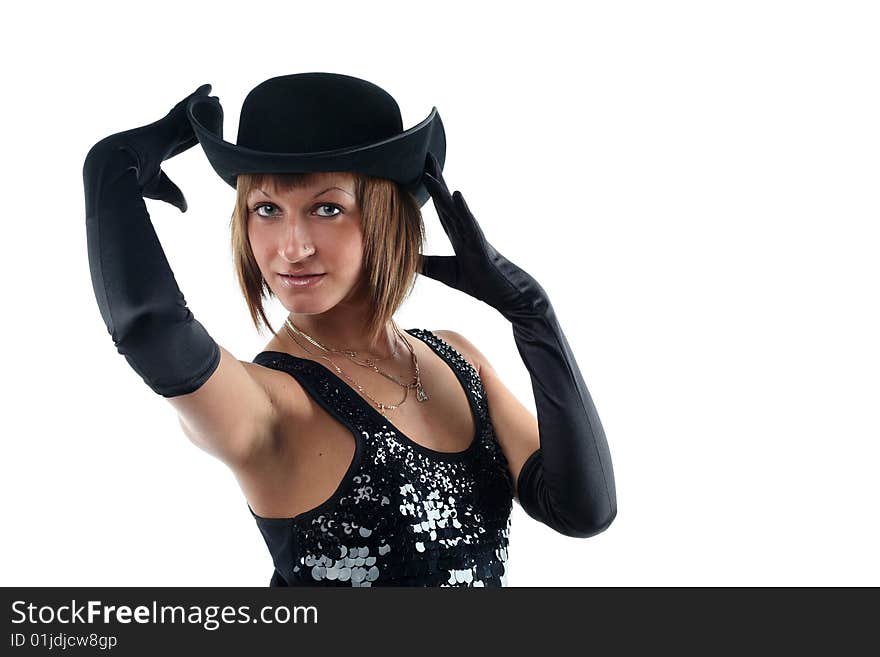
(403, 514)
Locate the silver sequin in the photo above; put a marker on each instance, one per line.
(406, 515)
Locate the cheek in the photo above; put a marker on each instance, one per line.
(262, 235)
(352, 251)
(343, 244)
(260, 245)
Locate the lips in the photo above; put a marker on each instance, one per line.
(300, 282)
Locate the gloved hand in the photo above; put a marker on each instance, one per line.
(152, 144)
(568, 483)
(477, 269)
(142, 307)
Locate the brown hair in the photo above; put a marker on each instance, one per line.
(393, 234)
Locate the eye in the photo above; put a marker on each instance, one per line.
(329, 205)
(257, 207)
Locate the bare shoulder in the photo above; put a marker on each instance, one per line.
(467, 349)
(285, 392)
(515, 426)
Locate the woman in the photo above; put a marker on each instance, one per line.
(352, 480)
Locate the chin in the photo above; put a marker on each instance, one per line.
(300, 303)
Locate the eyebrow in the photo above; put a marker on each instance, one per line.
(316, 195)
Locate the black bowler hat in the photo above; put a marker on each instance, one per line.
(309, 122)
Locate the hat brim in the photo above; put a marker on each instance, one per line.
(400, 158)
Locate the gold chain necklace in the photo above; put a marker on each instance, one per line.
(351, 355)
(422, 396)
(380, 405)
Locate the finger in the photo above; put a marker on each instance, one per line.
(446, 212)
(468, 223)
(432, 172)
(430, 164)
(434, 178)
(164, 189)
(178, 118)
(439, 195)
(437, 173)
(203, 90)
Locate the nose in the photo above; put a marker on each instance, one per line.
(296, 243)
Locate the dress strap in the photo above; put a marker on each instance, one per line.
(339, 399)
(466, 373)
(322, 385)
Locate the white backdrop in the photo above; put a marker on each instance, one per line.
(694, 184)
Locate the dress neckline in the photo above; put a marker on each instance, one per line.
(383, 420)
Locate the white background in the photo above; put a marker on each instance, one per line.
(695, 185)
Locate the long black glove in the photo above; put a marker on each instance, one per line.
(568, 483)
(137, 294)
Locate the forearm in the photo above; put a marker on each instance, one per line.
(568, 484)
(140, 302)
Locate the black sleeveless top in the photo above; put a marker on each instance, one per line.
(403, 514)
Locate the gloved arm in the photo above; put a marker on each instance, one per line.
(138, 297)
(568, 483)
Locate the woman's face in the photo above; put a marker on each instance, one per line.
(311, 229)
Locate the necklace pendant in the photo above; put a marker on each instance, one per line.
(421, 395)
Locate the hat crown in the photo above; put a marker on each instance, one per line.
(314, 112)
